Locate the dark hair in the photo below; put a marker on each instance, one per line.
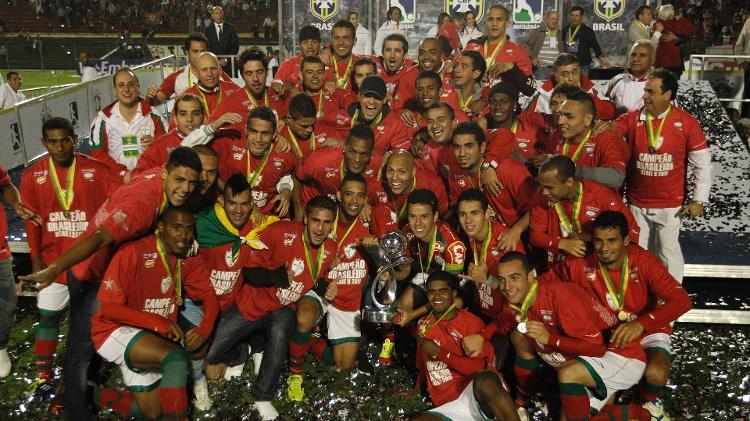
(252, 54)
(357, 178)
(585, 100)
(441, 275)
(577, 8)
(262, 113)
(170, 210)
(612, 219)
(301, 106)
(438, 105)
(501, 7)
(309, 32)
(362, 132)
(668, 81)
(343, 23)
(474, 195)
(185, 98)
(205, 150)
(564, 166)
(429, 74)
(114, 76)
(397, 37)
(516, 256)
(440, 43)
(310, 60)
(363, 61)
(237, 183)
(195, 37)
(472, 128)
(391, 10)
(321, 202)
(58, 123)
(566, 89)
(11, 74)
(423, 197)
(565, 59)
(639, 11)
(182, 156)
(477, 62)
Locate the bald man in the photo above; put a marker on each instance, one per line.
(222, 39)
(211, 88)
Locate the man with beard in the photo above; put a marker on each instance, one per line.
(343, 36)
(287, 76)
(393, 64)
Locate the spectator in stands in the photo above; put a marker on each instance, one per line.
(363, 46)
(469, 30)
(390, 26)
(10, 92)
(544, 44)
(222, 39)
(88, 72)
(626, 89)
(742, 48)
(580, 40)
(641, 28)
(677, 30)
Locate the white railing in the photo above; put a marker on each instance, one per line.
(704, 59)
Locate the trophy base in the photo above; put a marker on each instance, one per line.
(374, 315)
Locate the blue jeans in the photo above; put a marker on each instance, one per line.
(234, 330)
(8, 300)
(191, 316)
(79, 348)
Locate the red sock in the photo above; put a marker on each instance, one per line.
(299, 345)
(174, 402)
(622, 413)
(648, 391)
(575, 401)
(119, 401)
(526, 374)
(318, 347)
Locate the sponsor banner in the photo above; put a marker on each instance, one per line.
(528, 14)
(11, 151)
(110, 66)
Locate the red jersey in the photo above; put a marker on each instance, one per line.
(392, 79)
(138, 291)
(303, 147)
(509, 52)
(528, 130)
(546, 230)
(285, 247)
(540, 101)
(345, 67)
(241, 101)
(351, 273)
(129, 213)
(322, 172)
(448, 251)
(406, 92)
(179, 80)
(437, 158)
(657, 180)
(517, 189)
(423, 179)
(157, 153)
(653, 296)
(288, 72)
(606, 149)
(234, 157)
(449, 374)
(325, 103)
(93, 183)
(212, 100)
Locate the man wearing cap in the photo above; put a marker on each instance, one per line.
(288, 74)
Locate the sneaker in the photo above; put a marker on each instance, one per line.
(233, 371)
(386, 352)
(266, 410)
(656, 409)
(201, 401)
(41, 390)
(257, 360)
(295, 392)
(5, 364)
(523, 415)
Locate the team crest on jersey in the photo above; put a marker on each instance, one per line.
(589, 149)
(527, 11)
(462, 183)
(458, 251)
(87, 174)
(165, 283)
(590, 274)
(462, 6)
(324, 9)
(229, 258)
(678, 124)
(277, 163)
(523, 145)
(297, 266)
(349, 251)
(408, 9)
(609, 9)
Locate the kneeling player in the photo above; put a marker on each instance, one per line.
(135, 322)
(461, 387)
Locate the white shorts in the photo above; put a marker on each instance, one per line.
(115, 350)
(343, 326)
(612, 372)
(53, 298)
(464, 408)
(658, 341)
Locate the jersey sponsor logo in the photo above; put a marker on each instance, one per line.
(277, 163)
(289, 238)
(88, 174)
(298, 266)
(527, 12)
(41, 180)
(476, 7)
(609, 9)
(324, 9)
(457, 251)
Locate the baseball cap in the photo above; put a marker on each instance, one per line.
(373, 85)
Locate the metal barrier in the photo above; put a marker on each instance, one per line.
(48, 89)
(703, 58)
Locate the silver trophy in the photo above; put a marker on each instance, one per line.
(387, 254)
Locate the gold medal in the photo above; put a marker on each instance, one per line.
(622, 315)
(178, 300)
(341, 83)
(522, 327)
(66, 214)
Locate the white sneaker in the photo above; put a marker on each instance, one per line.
(257, 359)
(201, 401)
(233, 371)
(5, 364)
(523, 415)
(266, 410)
(656, 409)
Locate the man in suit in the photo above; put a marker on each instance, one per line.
(222, 38)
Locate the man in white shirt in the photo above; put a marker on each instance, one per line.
(10, 92)
(626, 89)
(363, 45)
(88, 72)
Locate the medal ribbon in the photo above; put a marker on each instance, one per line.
(572, 36)
(341, 81)
(174, 273)
(514, 126)
(314, 270)
(205, 102)
(253, 181)
(430, 252)
(645, 30)
(335, 227)
(653, 138)
(424, 328)
(374, 122)
(64, 197)
(403, 207)
(481, 258)
(295, 144)
(617, 296)
(491, 59)
(579, 150)
(254, 102)
(463, 104)
(320, 104)
(577, 202)
(528, 301)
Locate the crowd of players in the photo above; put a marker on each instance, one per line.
(186, 246)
